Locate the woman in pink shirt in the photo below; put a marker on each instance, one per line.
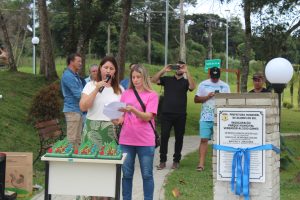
(137, 136)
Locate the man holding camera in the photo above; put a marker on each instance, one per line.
(205, 95)
(173, 108)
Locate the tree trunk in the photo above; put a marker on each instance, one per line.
(81, 46)
(126, 7)
(298, 89)
(292, 92)
(149, 41)
(71, 39)
(47, 59)
(108, 39)
(246, 58)
(11, 61)
(182, 54)
(23, 44)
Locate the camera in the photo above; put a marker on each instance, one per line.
(217, 91)
(175, 66)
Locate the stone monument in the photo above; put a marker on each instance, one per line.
(246, 121)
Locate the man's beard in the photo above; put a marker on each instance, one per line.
(179, 73)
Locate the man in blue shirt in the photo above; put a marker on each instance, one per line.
(71, 87)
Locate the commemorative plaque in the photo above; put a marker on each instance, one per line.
(241, 128)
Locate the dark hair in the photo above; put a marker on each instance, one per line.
(115, 79)
(71, 57)
(131, 65)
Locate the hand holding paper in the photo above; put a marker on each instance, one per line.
(112, 110)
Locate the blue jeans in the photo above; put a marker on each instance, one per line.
(146, 156)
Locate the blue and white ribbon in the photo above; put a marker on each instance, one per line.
(242, 180)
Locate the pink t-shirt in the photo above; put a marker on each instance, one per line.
(135, 131)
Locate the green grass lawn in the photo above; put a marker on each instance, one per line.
(194, 185)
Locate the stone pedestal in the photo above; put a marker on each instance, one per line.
(270, 189)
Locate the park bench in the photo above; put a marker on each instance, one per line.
(49, 132)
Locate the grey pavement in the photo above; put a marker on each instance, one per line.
(191, 143)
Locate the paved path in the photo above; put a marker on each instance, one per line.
(190, 144)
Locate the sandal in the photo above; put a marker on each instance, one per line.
(200, 169)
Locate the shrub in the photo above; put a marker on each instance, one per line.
(157, 52)
(287, 105)
(47, 103)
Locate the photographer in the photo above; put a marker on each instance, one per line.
(205, 95)
(173, 108)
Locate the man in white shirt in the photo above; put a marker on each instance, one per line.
(205, 95)
(93, 73)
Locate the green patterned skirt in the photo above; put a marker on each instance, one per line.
(99, 132)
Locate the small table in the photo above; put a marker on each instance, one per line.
(87, 177)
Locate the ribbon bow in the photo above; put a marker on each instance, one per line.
(242, 180)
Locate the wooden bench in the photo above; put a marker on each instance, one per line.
(49, 132)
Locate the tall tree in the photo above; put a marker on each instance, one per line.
(84, 18)
(246, 58)
(11, 60)
(126, 7)
(47, 63)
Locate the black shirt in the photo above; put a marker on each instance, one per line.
(175, 94)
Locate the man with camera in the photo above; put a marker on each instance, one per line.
(205, 95)
(173, 108)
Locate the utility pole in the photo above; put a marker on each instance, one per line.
(182, 34)
(108, 39)
(166, 32)
(149, 31)
(227, 46)
(33, 36)
(210, 46)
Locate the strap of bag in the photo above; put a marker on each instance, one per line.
(143, 107)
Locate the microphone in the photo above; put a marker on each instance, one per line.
(108, 77)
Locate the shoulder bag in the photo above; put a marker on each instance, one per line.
(157, 138)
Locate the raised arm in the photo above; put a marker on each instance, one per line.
(156, 77)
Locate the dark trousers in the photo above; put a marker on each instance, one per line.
(167, 122)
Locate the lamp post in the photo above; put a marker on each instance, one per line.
(166, 32)
(227, 11)
(34, 41)
(279, 72)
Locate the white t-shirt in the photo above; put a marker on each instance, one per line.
(205, 87)
(105, 97)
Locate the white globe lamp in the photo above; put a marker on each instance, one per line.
(279, 71)
(35, 40)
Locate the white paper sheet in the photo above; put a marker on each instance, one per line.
(111, 110)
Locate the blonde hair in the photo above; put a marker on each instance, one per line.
(146, 79)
